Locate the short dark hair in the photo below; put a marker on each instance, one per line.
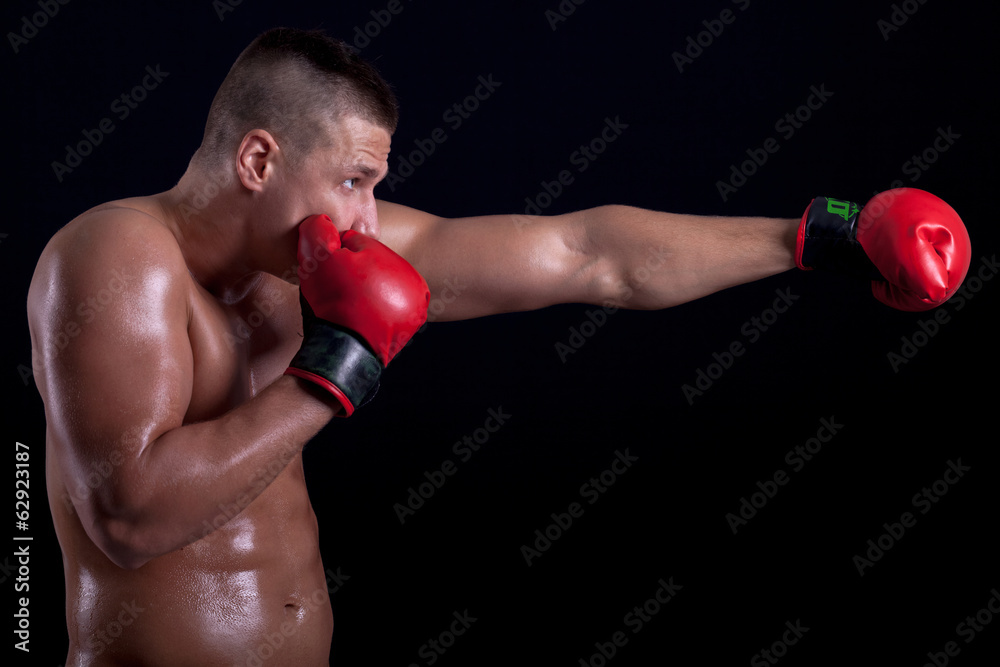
(292, 83)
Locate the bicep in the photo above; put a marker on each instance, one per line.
(493, 264)
(109, 329)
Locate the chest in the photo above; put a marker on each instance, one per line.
(240, 348)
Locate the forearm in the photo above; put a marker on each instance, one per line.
(648, 260)
(197, 477)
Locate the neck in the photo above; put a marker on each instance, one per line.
(207, 218)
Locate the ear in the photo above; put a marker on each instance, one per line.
(257, 159)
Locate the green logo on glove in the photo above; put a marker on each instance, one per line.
(844, 209)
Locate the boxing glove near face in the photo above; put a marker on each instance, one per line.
(361, 304)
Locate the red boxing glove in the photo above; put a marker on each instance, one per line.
(361, 304)
(911, 244)
(920, 246)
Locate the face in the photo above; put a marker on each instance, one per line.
(337, 179)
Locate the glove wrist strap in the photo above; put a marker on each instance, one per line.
(827, 240)
(339, 362)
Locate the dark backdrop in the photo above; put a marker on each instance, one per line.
(891, 90)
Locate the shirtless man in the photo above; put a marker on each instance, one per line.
(162, 328)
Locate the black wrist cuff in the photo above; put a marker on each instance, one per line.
(340, 358)
(829, 239)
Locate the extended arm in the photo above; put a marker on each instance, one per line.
(910, 244)
(620, 255)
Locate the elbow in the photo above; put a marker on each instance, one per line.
(118, 533)
(627, 286)
(131, 527)
(121, 542)
(618, 266)
(644, 281)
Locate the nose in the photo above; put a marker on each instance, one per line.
(366, 221)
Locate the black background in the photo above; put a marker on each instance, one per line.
(666, 517)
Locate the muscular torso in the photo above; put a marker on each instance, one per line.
(253, 589)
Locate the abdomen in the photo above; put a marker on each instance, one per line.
(252, 591)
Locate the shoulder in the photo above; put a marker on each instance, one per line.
(107, 236)
(402, 227)
(114, 228)
(114, 245)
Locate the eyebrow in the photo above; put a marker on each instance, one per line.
(369, 172)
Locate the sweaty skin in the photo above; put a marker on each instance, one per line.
(227, 596)
(161, 327)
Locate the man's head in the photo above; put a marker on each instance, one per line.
(300, 126)
(295, 84)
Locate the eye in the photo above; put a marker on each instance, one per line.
(349, 183)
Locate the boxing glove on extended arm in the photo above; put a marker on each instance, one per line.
(909, 243)
(361, 303)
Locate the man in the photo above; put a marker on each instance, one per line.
(195, 376)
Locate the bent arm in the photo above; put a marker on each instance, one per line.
(119, 389)
(611, 255)
(184, 483)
